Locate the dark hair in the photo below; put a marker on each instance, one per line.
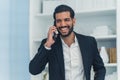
(63, 8)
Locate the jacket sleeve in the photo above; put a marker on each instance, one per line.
(38, 63)
(98, 64)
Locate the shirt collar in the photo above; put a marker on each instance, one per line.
(73, 44)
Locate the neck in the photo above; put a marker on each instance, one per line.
(69, 39)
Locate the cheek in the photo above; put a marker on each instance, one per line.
(57, 25)
(71, 23)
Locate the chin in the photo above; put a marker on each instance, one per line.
(65, 35)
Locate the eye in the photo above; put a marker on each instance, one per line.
(58, 21)
(67, 19)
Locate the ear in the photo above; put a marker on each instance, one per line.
(74, 21)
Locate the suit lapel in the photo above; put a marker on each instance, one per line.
(81, 43)
(60, 57)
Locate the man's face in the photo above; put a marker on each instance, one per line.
(64, 23)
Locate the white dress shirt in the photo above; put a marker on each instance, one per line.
(73, 61)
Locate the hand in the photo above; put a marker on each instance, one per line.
(50, 39)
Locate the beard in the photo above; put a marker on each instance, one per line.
(70, 31)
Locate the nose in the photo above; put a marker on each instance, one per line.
(63, 23)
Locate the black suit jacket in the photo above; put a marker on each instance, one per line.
(54, 58)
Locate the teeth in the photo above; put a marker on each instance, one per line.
(64, 28)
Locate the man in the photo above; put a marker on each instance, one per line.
(71, 55)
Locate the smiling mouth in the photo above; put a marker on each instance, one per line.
(63, 28)
(65, 31)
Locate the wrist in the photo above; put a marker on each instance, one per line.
(47, 44)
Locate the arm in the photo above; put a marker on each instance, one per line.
(98, 64)
(38, 63)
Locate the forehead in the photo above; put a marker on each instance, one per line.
(60, 15)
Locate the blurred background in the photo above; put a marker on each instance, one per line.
(14, 39)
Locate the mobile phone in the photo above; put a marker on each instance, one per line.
(55, 34)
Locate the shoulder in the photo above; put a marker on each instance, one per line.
(43, 41)
(84, 37)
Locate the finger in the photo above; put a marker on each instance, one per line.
(53, 27)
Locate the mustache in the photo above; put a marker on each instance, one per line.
(63, 27)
